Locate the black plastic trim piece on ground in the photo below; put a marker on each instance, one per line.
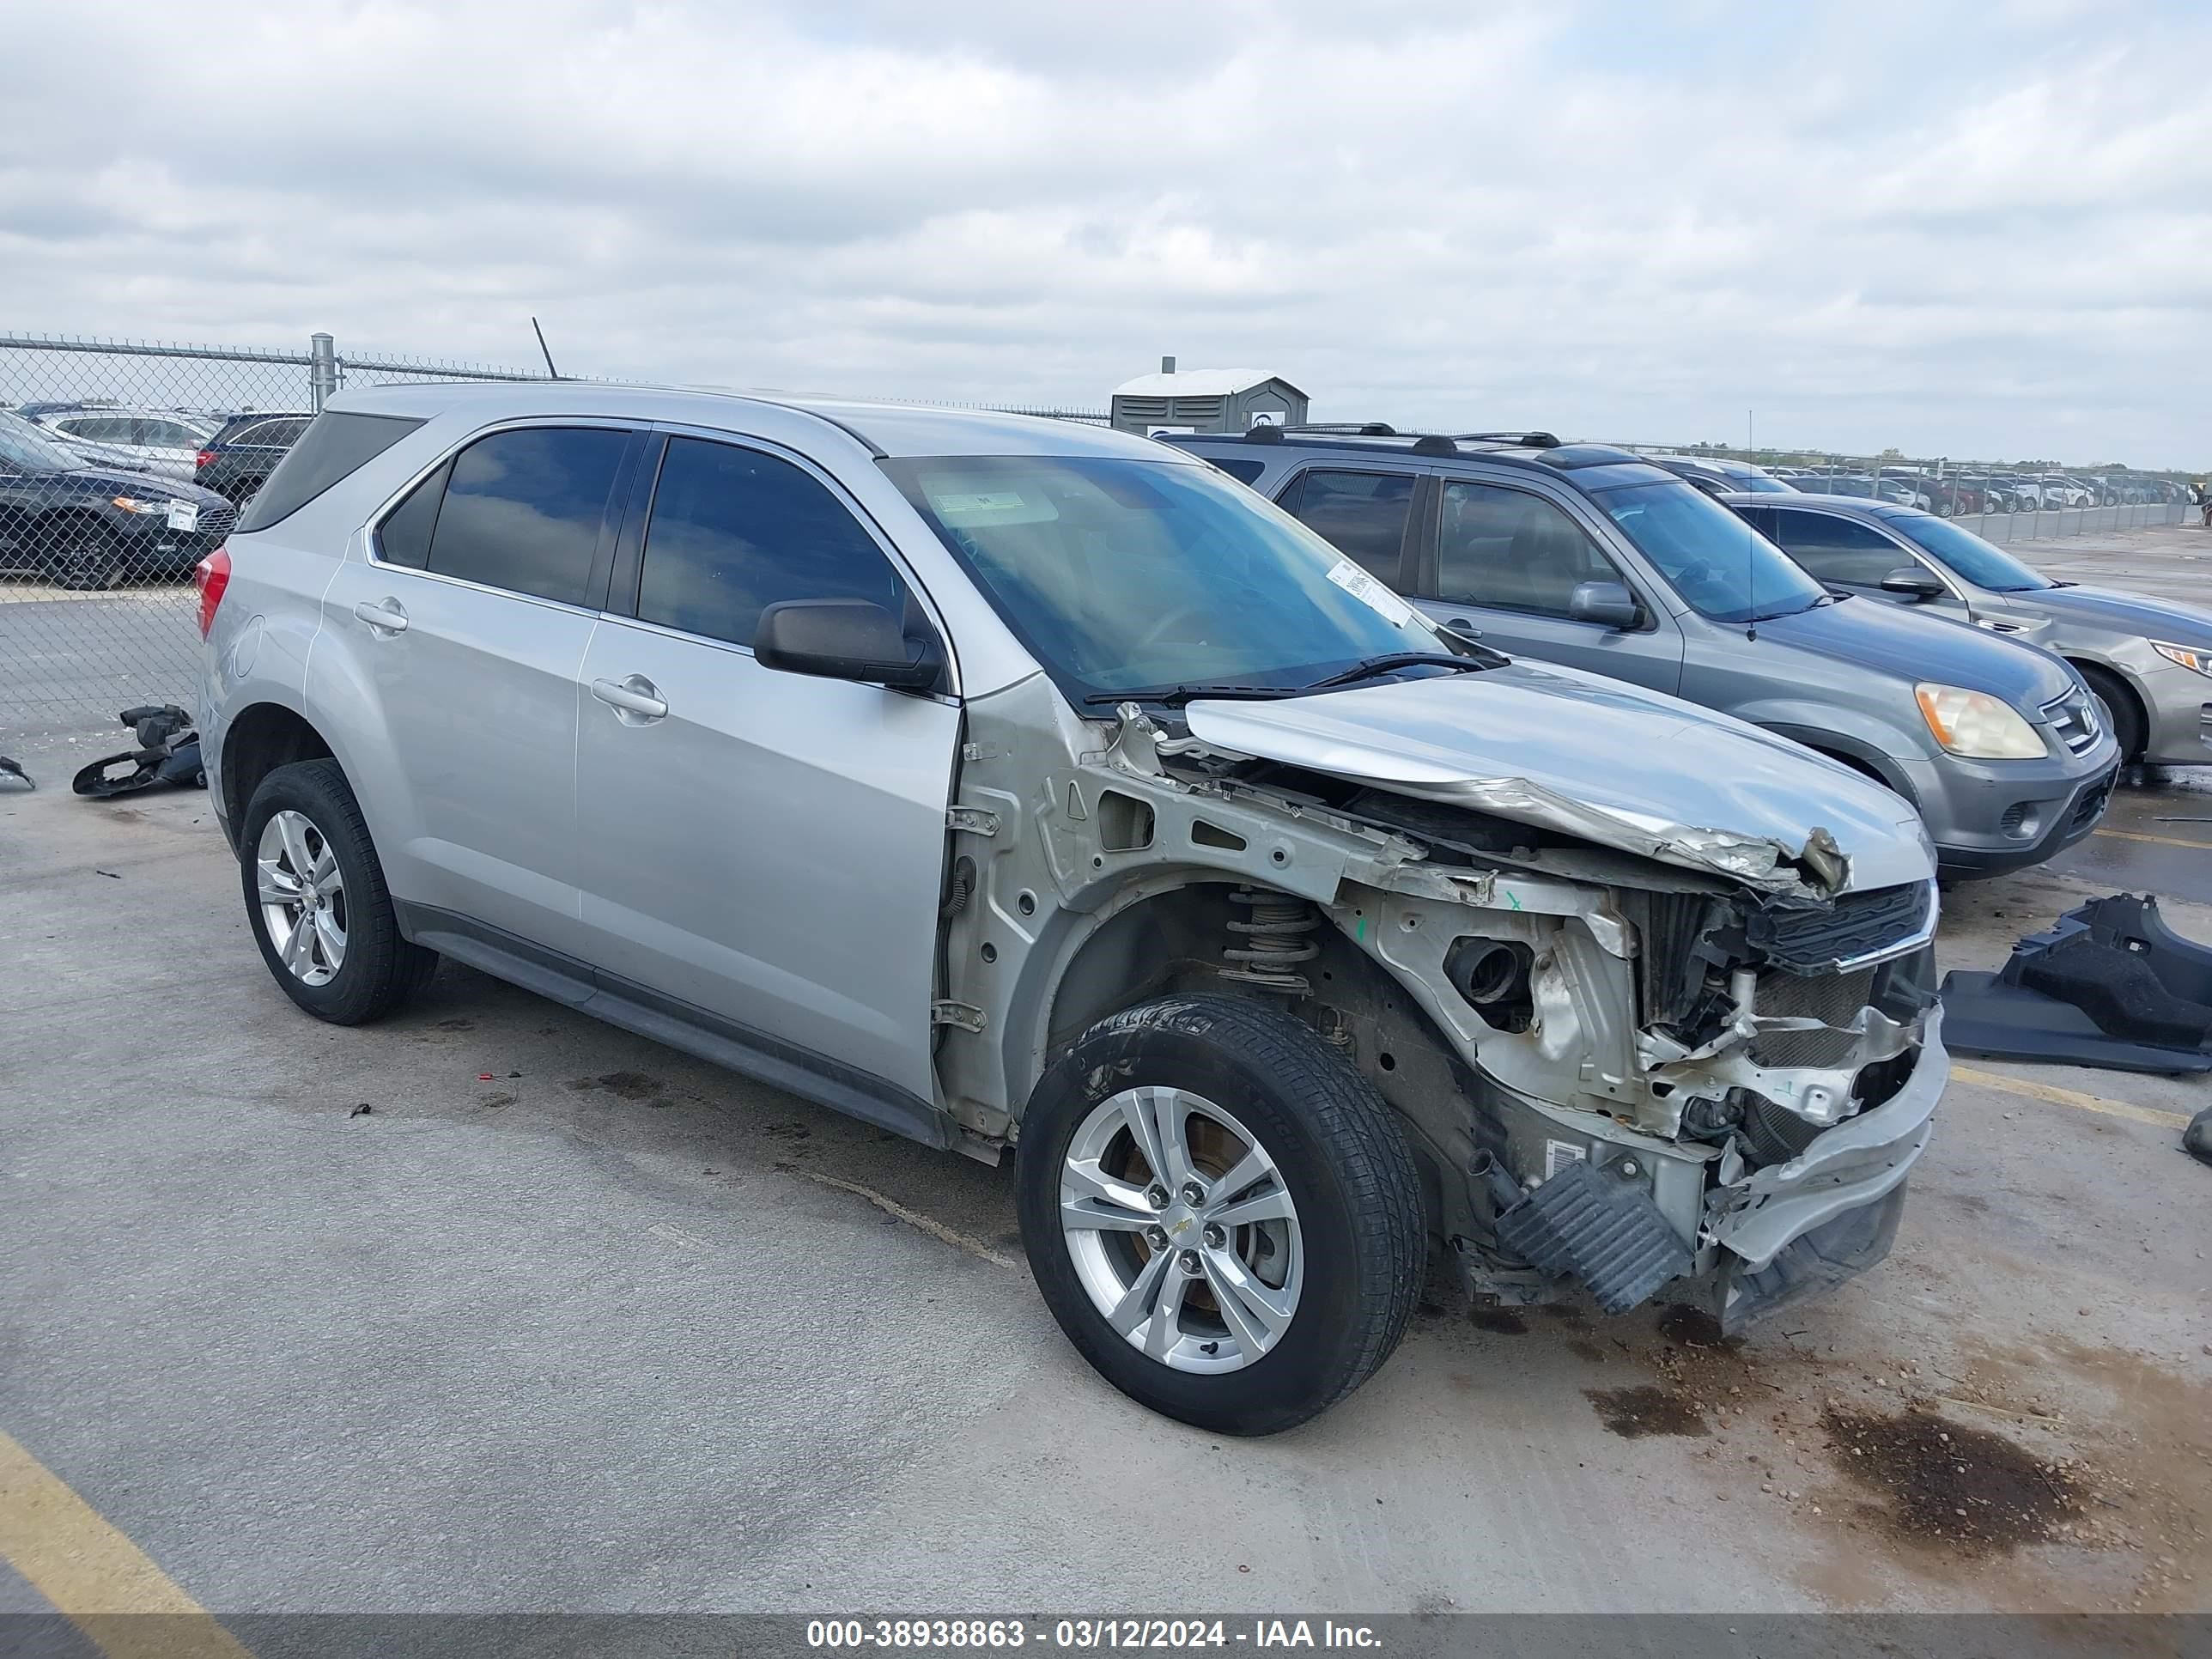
(2110, 986)
(1602, 1229)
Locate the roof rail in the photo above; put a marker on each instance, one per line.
(1344, 429)
(1523, 439)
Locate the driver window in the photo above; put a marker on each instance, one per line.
(1513, 550)
(1839, 550)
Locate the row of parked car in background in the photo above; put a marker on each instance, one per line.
(1947, 495)
(92, 494)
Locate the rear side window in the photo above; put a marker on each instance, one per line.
(1514, 551)
(734, 531)
(1838, 550)
(1362, 514)
(523, 510)
(1244, 471)
(333, 447)
(403, 537)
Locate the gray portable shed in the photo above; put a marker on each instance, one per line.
(1206, 400)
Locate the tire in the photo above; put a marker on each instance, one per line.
(89, 557)
(2123, 714)
(349, 964)
(1349, 1255)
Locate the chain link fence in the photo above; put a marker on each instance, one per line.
(121, 465)
(1998, 502)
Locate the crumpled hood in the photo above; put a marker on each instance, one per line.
(1914, 644)
(1621, 767)
(2128, 613)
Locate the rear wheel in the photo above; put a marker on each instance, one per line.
(1220, 1212)
(317, 901)
(2124, 716)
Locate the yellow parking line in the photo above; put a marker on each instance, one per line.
(2059, 1097)
(93, 1574)
(2155, 841)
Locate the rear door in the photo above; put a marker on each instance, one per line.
(1507, 561)
(464, 632)
(1366, 512)
(762, 850)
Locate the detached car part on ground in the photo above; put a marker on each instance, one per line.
(1593, 558)
(2148, 660)
(1045, 791)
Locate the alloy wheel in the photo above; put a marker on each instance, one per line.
(1180, 1229)
(303, 901)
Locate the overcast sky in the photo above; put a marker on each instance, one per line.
(1973, 229)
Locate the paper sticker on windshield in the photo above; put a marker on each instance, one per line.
(1371, 593)
(184, 515)
(976, 508)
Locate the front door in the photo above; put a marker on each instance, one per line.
(766, 848)
(1508, 560)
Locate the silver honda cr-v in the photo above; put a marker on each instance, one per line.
(1010, 783)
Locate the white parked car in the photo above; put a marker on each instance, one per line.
(164, 442)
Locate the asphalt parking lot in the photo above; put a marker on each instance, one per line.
(565, 1320)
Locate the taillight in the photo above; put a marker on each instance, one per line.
(211, 575)
(204, 460)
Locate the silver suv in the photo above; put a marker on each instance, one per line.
(1013, 784)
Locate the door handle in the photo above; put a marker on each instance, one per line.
(384, 617)
(634, 700)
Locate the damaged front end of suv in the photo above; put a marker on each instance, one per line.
(1642, 1029)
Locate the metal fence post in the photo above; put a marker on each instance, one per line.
(322, 369)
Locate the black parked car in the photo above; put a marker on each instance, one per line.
(237, 460)
(84, 526)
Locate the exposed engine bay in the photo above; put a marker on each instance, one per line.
(1626, 1053)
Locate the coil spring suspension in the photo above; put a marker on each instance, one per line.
(1264, 949)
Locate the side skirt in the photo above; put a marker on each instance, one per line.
(684, 1026)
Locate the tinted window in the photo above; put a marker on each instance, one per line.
(1517, 551)
(734, 531)
(1361, 513)
(99, 428)
(166, 434)
(403, 537)
(1242, 470)
(1837, 550)
(280, 432)
(333, 447)
(523, 509)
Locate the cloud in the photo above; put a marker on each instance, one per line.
(1933, 226)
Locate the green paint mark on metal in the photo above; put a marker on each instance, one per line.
(1360, 932)
(1513, 898)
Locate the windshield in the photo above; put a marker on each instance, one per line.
(1119, 574)
(27, 449)
(1721, 566)
(1976, 560)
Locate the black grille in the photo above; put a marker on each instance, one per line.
(1811, 941)
(1831, 998)
(2091, 803)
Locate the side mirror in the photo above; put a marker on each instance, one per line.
(1609, 604)
(1461, 629)
(845, 640)
(1913, 582)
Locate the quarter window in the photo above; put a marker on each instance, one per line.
(1840, 551)
(523, 510)
(1514, 551)
(1362, 514)
(734, 531)
(403, 537)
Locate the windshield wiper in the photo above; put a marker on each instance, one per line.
(1172, 695)
(1479, 658)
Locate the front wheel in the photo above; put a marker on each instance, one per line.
(90, 557)
(2123, 715)
(1220, 1212)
